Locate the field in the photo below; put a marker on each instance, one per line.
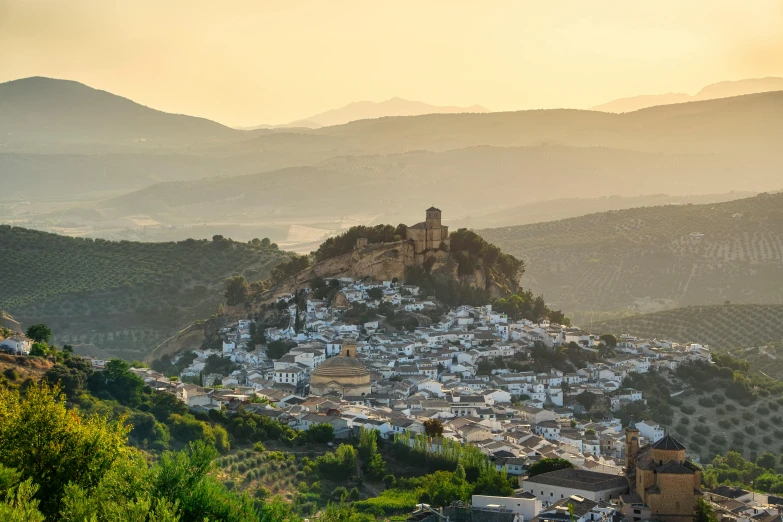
(653, 258)
(719, 326)
(728, 426)
(123, 297)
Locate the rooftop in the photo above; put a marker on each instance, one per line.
(580, 480)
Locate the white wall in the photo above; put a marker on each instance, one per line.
(527, 507)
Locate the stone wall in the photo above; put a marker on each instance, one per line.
(676, 500)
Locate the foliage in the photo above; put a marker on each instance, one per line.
(548, 465)
(473, 251)
(523, 305)
(345, 242)
(277, 349)
(433, 427)
(704, 512)
(39, 333)
(237, 290)
(55, 447)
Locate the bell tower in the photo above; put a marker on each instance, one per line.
(433, 218)
(631, 446)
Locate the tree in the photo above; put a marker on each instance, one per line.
(277, 349)
(216, 238)
(433, 428)
(39, 333)
(766, 460)
(704, 512)
(376, 466)
(609, 340)
(54, 446)
(375, 293)
(237, 290)
(39, 350)
(119, 382)
(321, 433)
(547, 465)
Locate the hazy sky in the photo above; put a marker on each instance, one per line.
(252, 62)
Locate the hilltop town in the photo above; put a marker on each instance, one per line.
(386, 356)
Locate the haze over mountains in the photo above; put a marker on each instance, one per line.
(710, 92)
(83, 162)
(363, 110)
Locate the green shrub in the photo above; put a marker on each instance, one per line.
(688, 410)
(707, 402)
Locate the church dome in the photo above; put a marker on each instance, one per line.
(341, 367)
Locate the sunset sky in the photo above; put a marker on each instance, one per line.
(253, 62)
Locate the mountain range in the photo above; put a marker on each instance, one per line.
(710, 92)
(363, 110)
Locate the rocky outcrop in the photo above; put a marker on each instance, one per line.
(387, 261)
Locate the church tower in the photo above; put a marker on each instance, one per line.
(433, 218)
(631, 446)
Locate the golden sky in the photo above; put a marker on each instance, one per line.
(265, 61)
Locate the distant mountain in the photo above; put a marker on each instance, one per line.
(653, 258)
(363, 110)
(710, 92)
(368, 189)
(68, 113)
(562, 208)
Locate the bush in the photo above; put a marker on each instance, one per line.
(747, 415)
(389, 481)
(259, 447)
(720, 410)
(725, 424)
(685, 421)
(701, 429)
(706, 402)
(730, 407)
(719, 440)
(340, 493)
(750, 430)
(719, 398)
(762, 410)
(764, 425)
(688, 410)
(773, 406)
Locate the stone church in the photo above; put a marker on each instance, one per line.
(664, 484)
(430, 234)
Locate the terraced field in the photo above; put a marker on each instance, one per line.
(653, 258)
(123, 297)
(722, 327)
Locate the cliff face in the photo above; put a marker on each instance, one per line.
(386, 261)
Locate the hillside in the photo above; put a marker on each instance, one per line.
(37, 109)
(363, 110)
(122, 297)
(710, 92)
(651, 258)
(394, 189)
(720, 326)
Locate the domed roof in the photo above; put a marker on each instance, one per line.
(340, 366)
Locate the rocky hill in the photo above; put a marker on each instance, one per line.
(123, 297)
(653, 258)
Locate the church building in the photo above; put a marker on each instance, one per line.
(664, 484)
(429, 234)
